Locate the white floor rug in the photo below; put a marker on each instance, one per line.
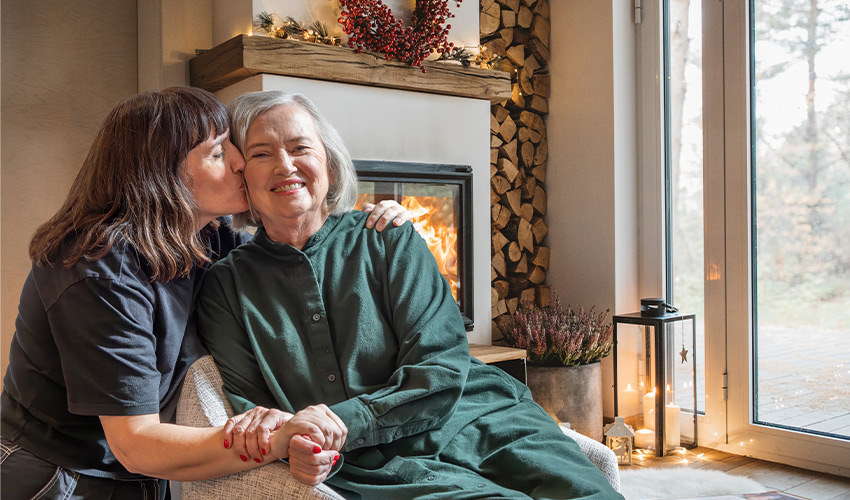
(652, 484)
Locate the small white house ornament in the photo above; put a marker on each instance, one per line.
(619, 437)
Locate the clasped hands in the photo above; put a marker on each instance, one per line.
(310, 439)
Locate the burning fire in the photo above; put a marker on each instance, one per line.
(435, 216)
(440, 235)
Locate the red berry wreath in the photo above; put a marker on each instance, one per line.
(371, 25)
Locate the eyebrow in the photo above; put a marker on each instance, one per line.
(300, 138)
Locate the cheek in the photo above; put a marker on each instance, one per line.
(252, 179)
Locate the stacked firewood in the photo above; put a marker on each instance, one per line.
(518, 32)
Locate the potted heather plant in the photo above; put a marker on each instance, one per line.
(564, 348)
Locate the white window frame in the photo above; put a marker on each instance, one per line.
(728, 421)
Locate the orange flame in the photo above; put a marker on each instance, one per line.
(435, 216)
(440, 235)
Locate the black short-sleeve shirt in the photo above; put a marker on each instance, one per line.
(99, 338)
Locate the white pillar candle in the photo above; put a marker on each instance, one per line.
(645, 438)
(627, 402)
(649, 410)
(672, 427)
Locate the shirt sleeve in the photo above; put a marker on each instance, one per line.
(103, 330)
(225, 337)
(433, 358)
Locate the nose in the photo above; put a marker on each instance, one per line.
(237, 161)
(285, 164)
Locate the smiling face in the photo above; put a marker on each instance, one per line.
(286, 172)
(213, 175)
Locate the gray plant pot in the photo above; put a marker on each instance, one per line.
(571, 394)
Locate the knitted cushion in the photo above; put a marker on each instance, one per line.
(599, 454)
(203, 404)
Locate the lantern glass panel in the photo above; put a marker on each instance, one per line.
(655, 377)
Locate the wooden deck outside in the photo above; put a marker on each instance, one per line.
(804, 379)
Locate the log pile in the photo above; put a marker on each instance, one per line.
(518, 31)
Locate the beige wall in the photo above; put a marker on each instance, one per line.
(64, 66)
(591, 181)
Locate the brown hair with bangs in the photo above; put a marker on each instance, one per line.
(130, 186)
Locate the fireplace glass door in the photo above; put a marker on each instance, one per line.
(439, 198)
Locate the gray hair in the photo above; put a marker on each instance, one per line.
(342, 192)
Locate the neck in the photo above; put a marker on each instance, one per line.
(295, 231)
(202, 223)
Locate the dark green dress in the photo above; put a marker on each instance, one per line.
(364, 322)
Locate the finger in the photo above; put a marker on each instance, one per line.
(303, 445)
(309, 476)
(312, 469)
(239, 436)
(227, 434)
(368, 207)
(403, 216)
(373, 217)
(235, 429)
(252, 444)
(263, 426)
(298, 425)
(387, 214)
(341, 432)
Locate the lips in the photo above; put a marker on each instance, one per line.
(289, 186)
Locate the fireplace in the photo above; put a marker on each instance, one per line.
(440, 198)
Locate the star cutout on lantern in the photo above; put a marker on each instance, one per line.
(684, 354)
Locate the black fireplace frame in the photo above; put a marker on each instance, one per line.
(458, 175)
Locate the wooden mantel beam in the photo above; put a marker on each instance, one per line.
(244, 56)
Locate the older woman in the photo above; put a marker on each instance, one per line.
(315, 310)
(106, 328)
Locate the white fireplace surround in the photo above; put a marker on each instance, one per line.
(397, 125)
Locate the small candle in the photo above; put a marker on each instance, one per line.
(627, 403)
(672, 426)
(645, 438)
(649, 410)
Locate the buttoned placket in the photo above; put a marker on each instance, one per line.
(319, 333)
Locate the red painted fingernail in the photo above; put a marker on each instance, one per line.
(263, 450)
(333, 463)
(336, 458)
(305, 436)
(257, 460)
(244, 458)
(317, 449)
(226, 443)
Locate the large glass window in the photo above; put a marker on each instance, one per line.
(801, 199)
(683, 110)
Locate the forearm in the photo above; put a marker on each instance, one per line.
(418, 398)
(174, 452)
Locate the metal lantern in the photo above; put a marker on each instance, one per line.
(655, 377)
(618, 438)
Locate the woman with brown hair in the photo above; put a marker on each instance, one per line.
(106, 330)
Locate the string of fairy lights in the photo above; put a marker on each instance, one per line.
(276, 26)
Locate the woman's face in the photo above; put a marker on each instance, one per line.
(213, 175)
(286, 170)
